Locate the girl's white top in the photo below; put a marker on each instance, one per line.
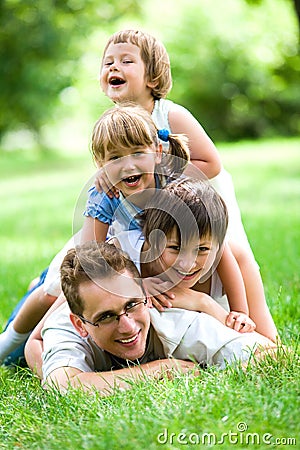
(222, 182)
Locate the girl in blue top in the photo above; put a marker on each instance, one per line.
(126, 147)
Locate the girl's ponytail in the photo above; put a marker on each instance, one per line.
(178, 155)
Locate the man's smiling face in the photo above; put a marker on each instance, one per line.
(126, 337)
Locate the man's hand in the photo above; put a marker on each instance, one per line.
(106, 382)
(169, 367)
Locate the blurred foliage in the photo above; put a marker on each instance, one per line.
(40, 46)
(235, 64)
(238, 70)
(296, 4)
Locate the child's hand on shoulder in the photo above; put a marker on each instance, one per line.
(240, 322)
(158, 293)
(103, 184)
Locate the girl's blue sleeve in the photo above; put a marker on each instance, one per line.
(100, 206)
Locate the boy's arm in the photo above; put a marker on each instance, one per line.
(204, 154)
(163, 295)
(106, 382)
(201, 302)
(198, 301)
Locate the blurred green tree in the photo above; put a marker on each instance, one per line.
(296, 4)
(238, 70)
(39, 52)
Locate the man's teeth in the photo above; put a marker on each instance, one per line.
(126, 341)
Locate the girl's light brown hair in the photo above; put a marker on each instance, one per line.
(153, 54)
(130, 126)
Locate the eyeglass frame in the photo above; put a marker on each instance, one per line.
(114, 315)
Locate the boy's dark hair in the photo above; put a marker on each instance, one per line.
(193, 207)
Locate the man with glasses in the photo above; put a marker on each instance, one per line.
(103, 337)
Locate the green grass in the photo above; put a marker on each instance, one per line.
(37, 207)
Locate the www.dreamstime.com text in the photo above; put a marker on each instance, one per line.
(240, 436)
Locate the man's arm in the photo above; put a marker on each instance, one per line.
(106, 382)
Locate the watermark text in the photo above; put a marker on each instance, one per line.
(239, 436)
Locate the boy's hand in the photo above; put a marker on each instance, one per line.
(158, 292)
(103, 184)
(240, 322)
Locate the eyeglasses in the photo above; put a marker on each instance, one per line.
(109, 317)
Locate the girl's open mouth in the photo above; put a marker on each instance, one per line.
(132, 181)
(115, 81)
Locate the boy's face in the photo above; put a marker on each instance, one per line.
(125, 338)
(122, 75)
(185, 266)
(132, 170)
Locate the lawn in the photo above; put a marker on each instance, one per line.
(253, 409)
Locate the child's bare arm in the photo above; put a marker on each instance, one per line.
(201, 302)
(198, 301)
(234, 286)
(232, 281)
(162, 294)
(159, 292)
(34, 346)
(93, 230)
(204, 154)
(240, 322)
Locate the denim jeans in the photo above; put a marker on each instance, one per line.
(17, 356)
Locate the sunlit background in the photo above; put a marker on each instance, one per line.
(235, 65)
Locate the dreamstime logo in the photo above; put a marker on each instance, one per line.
(240, 436)
(176, 205)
